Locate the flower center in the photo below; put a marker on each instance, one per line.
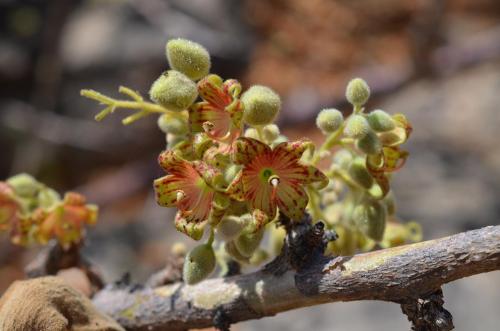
(266, 173)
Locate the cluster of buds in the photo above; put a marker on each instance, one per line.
(230, 170)
(34, 213)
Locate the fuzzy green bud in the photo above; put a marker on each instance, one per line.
(198, 264)
(359, 173)
(230, 227)
(370, 217)
(174, 91)
(329, 120)
(247, 243)
(173, 123)
(357, 92)
(370, 143)
(380, 121)
(271, 132)
(48, 197)
(24, 185)
(342, 158)
(356, 126)
(188, 57)
(251, 133)
(261, 105)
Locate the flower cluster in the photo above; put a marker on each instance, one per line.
(229, 169)
(34, 213)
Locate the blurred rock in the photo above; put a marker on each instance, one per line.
(49, 304)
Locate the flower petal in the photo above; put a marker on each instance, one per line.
(292, 150)
(292, 199)
(246, 149)
(166, 189)
(258, 195)
(203, 112)
(211, 90)
(193, 230)
(235, 189)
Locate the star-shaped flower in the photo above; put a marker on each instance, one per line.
(220, 113)
(273, 178)
(187, 187)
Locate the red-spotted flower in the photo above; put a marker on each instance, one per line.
(187, 188)
(273, 178)
(66, 220)
(220, 113)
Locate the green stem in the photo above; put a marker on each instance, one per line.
(316, 212)
(330, 141)
(212, 236)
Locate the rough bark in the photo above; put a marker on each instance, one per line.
(407, 275)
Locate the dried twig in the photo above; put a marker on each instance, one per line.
(410, 275)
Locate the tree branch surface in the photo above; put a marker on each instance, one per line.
(399, 275)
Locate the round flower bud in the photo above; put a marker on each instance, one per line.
(230, 227)
(359, 173)
(247, 243)
(271, 132)
(329, 120)
(370, 144)
(48, 197)
(370, 218)
(198, 264)
(260, 104)
(251, 133)
(24, 185)
(174, 91)
(356, 126)
(380, 121)
(357, 92)
(188, 57)
(170, 123)
(342, 158)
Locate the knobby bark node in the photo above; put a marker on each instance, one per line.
(427, 313)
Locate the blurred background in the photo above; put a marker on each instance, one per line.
(436, 61)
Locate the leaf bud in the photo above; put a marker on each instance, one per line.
(359, 173)
(370, 143)
(188, 57)
(329, 120)
(174, 91)
(261, 105)
(356, 126)
(357, 92)
(198, 264)
(380, 121)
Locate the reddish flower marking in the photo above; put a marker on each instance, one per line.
(65, 221)
(273, 178)
(9, 209)
(221, 112)
(186, 187)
